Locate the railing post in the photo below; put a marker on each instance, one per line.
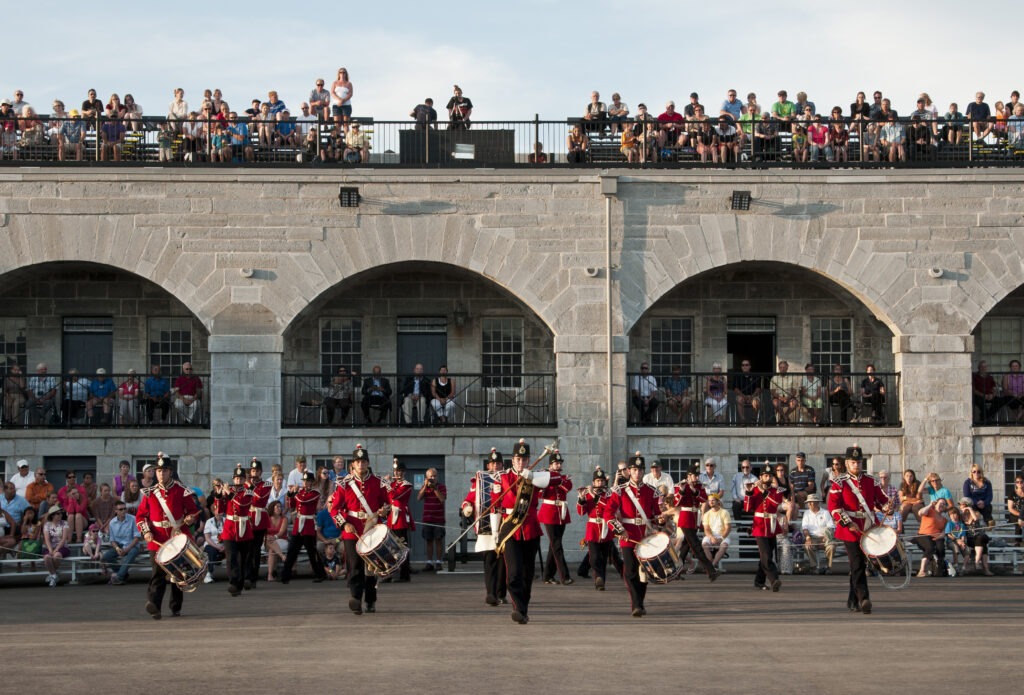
(536, 135)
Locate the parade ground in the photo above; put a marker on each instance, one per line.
(435, 634)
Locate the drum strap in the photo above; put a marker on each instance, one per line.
(869, 518)
(636, 503)
(362, 500)
(175, 523)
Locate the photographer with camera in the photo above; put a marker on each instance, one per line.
(433, 494)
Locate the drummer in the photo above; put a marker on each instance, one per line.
(165, 510)
(852, 502)
(358, 502)
(474, 506)
(400, 519)
(633, 508)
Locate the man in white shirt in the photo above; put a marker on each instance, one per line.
(644, 392)
(295, 476)
(214, 548)
(717, 524)
(817, 527)
(738, 487)
(661, 482)
(22, 478)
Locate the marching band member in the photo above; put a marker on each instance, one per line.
(260, 490)
(519, 506)
(483, 494)
(237, 533)
(687, 499)
(553, 515)
(852, 502)
(165, 510)
(633, 507)
(399, 493)
(598, 537)
(763, 500)
(357, 502)
(304, 503)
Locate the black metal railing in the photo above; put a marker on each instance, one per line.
(244, 141)
(998, 399)
(72, 400)
(762, 400)
(476, 400)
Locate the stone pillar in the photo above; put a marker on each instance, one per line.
(936, 403)
(245, 400)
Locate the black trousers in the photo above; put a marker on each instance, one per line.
(405, 571)
(158, 582)
(238, 556)
(693, 545)
(767, 570)
(519, 568)
(252, 572)
(858, 573)
(935, 548)
(495, 575)
(631, 574)
(360, 584)
(295, 544)
(556, 556)
(599, 552)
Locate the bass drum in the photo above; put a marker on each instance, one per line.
(659, 558)
(382, 550)
(183, 562)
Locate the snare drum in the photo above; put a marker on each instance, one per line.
(884, 550)
(183, 562)
(381, 550)
(659, 558)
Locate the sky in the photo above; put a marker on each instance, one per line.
(513, 59)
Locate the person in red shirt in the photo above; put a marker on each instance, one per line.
(687, 500)
(433, 493)
(356, 506)
(260, 490)
(304, 503)
(553, 515)
(852, 502)
(762, 500)
(165, 510)
(399, 491)
(519, 502)
(236, 503)
(481, 504)
(634, 506)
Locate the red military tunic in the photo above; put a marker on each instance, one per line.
(238, 524)
(151, 517)
(592, 505)
(621, 505)
(842, 498)
(553, 507)
(260, 497)
(764, 506)
(304, 503)
(489, 499)
(688, 501)
(347, 508)
(509, 486)
(399, 493)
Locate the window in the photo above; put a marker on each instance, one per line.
(140, 462)
(341, 345)
(671, 345)
(831, 343)
(677, 466)
(999, 341)
(758, 460)
(170, 343)
(501, 353)
(12, 340)
(1012, 467)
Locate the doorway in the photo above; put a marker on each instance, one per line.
(415, 472)
(751, 339)
(88, 344)
(421, 341)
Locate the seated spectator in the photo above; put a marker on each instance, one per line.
(266, 126)
(76, 394)
(1015, 128)
(443, 392)
(748, 123)
(766, 139)
(629, 146)
(277, 536)
(22, 479)
(818, 528)
(742, 482)
(156, 394)
(276, 105)
(811, 394)
(33, 133)
(660, 480)
(376, 392)
(618, 112)
(125, 544)
(8, 532)
(934, 489)
(102, 508)
(8, 130)
(893, 520)
(869, 142)
(102, 392)
(800, 143)
(920, 139)
(1013, 388)
(784, 110)
(716, 395)
(538, 156)
(732, 108)
(214, 547)
(132, 495)
(839, 137)
(802, 478)
(56, 538)
(327, 532)
(717, 524)
(113, 134)
(38, 489)
(677, 395)
(671, 130)
(840, 392)
(885, 483)
(331, 562)
(802, 104)
(14, 505)
(91, 543)
(872, 390)
(986, 394)
(820, 137)
(711, 480)
(644, 394)
(595, 114)
(49, 503)
(577, 145)
(701, 135)
(785, 390)
(1015, 507)
(976, 536)
(188, 395)
(123, 476)
(90, 487)
(132, 115)
(128, 399)
(286, 134)
(931, 537)
(956, 537)
(836, 469)
(416, 391)
(31, 545)
(978, 115)
(690, 110)
(648, 134)
(238, 134)
(978, 489)
(728, 140)
(357, 145)
(338, 399)
(75, 502)
(910, 494)
(952, 125)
